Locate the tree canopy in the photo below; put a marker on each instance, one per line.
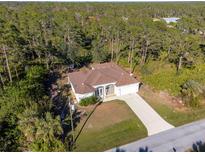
(37, 37)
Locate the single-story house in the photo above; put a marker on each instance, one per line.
(103, 80)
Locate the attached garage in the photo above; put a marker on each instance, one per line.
(127, 89)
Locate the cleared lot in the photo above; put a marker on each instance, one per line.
(112, 124)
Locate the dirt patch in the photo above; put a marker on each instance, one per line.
(162, 97)
(107, 114)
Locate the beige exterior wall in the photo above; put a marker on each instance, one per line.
(118, 91)
(127, 89)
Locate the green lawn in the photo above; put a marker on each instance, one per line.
(174, 116)
(178, 118)
(117, 126)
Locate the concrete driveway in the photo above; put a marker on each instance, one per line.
(149, 117)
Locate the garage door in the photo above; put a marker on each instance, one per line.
(123, 90)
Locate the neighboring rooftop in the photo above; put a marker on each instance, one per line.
(83, 81)
(171, 19)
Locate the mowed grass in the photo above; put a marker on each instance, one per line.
(112, 124)
(173, 115)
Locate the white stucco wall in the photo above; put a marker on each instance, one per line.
(127, 89)
(72, 87)
(81, 96)
(119, 91)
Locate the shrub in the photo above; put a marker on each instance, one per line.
(145, 70)
(88, 101)
(164, 77)
(192, 93)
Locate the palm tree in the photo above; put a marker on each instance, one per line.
(40, 133)
(48, 132)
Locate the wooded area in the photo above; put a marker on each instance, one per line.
(38, 37)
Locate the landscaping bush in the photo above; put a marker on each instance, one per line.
(88, 101)
(192, 93)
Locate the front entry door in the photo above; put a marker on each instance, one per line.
(100, 92)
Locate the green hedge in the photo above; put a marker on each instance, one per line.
(88, 101)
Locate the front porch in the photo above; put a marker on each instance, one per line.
(105, 91)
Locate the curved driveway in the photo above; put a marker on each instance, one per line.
(149, 117)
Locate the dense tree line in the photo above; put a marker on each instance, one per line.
(36, 37)
(81, 33)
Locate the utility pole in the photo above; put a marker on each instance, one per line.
(71, 108)
(131, 62)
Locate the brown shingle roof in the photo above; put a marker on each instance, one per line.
(77, 80)
(96, 77)
(83, 81)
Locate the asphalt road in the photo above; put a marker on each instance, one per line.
(177, 139)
